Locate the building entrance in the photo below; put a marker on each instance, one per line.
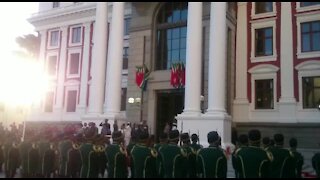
(169, 104)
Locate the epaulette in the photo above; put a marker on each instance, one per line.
(95, 148)
(237, 151)
(154, 152)
(183, 152)
(270, 156)
(102, 148)
(291, 153)
(122, 150)
(76, 146)
(198, 151)
(193, 150)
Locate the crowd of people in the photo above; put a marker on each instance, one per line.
(80, 151)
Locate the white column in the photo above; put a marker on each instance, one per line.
(114, 64)
(287, 101)
(193, 61)
(286, 55)
(216, 115)
(99, 53)
(58, 108)
(241, 103)
(85, 69)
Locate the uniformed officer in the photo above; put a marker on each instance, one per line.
(117, 157)
(172, 156)
(283, 165)
(143, 158)
(190, 160)
(298, 158)
(44, 145)
(266, 143)
(33, 158)
(133, 141)
(64, 146)
(74, 158)
(212, 161)
(163, 141)
(316, 163)
(24, 148)
(48, 160)
(85, 149)
(13, 159)
(102, 158)
(194, 144)
(242, 142)
(253, 161)
(93, 168)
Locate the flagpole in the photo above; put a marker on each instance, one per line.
(143, 61)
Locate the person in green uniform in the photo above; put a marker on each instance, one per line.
(33, 158)
(195, 142)
(253, 161)
(163, 141)
(85, 150)
(283, 165)
(172, 157)
(64, 146)
(117, 157)
(74, 159)
(48, 161)
(44, 145)
(190, 160)
(242, 142)
(298, 158)
(266, 143)
(143, 158)
(316, 163)
(133, 141)
(102, 158)
(212, 161)
(13, 159)
(24, 148)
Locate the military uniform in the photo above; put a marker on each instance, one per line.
(116, 157)
(44, 145)
(85, 150)
(74, 160)
(13, 160)
(316, 163)
(48, 161)
(212, 161)
(64, 147)
(252, 161)
(190, 160)
(33, 160)
(241, 142)
(283, 165)
(143, 159)
(172, 157)
(298, 158)
(24, 149)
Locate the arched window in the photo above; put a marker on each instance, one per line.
(171, 34)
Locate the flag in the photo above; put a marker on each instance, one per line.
(177, 75)
(142, 76)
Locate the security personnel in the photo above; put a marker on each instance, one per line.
(48, 161)
(93, 168)
(194, 144)
(85, 150)
(143, 159)
(44, 145)
(74, 159)
(190, 160)
(241, 143)
(283, 165)
(163, 138)
(212, 161)
(252, 161)
(316, 163)
(24, 148)
(298, 158)
(172, 157)
(117, 157)
(13, 159)
(266, 143)
(102, 158)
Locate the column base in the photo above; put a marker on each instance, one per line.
(241, 110)
(287, 109)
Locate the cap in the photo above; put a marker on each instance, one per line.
(213, 136)
(278, 138)
(184, 137)
(174, 135)
(254, 135)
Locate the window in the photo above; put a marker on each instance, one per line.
(263, 42)
(52, 66)
(264, 94)
(310, 36)
(171, 34)
(263, 7)
(125, 58)
(123, 99)
(74, 64)
(311, 92)
(76, 34)
(126, 26)
(71, 101)
(304, 4)
(55, 4)
(49, 102)
(54, 38)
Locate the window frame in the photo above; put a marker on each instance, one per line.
(254, 15)
(51, 54)
(49, 46)
(126, 28)
(260, 24)
(255, 100)
(71, 35)
(74, 51)
(300, 8)
(67, 89)
(304, 18)
(45, 101)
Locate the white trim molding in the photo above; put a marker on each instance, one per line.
(49, 38)
(306, 8)
(67, 89)
(260, 72)
(45, 100)
(52, 54)
(74, 51)
(258, 25)
(71, 35)
(263, 15)
(307, 69)
(302, 18)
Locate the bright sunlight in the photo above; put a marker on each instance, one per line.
(22, 81)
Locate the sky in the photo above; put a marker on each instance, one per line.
(13, 18)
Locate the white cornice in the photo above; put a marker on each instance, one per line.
(308, 65)
(263, 68)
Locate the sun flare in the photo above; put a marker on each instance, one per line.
(22, 81)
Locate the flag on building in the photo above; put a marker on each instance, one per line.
(177, 75)
(142, 76)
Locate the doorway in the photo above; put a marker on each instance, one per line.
(169, 104)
